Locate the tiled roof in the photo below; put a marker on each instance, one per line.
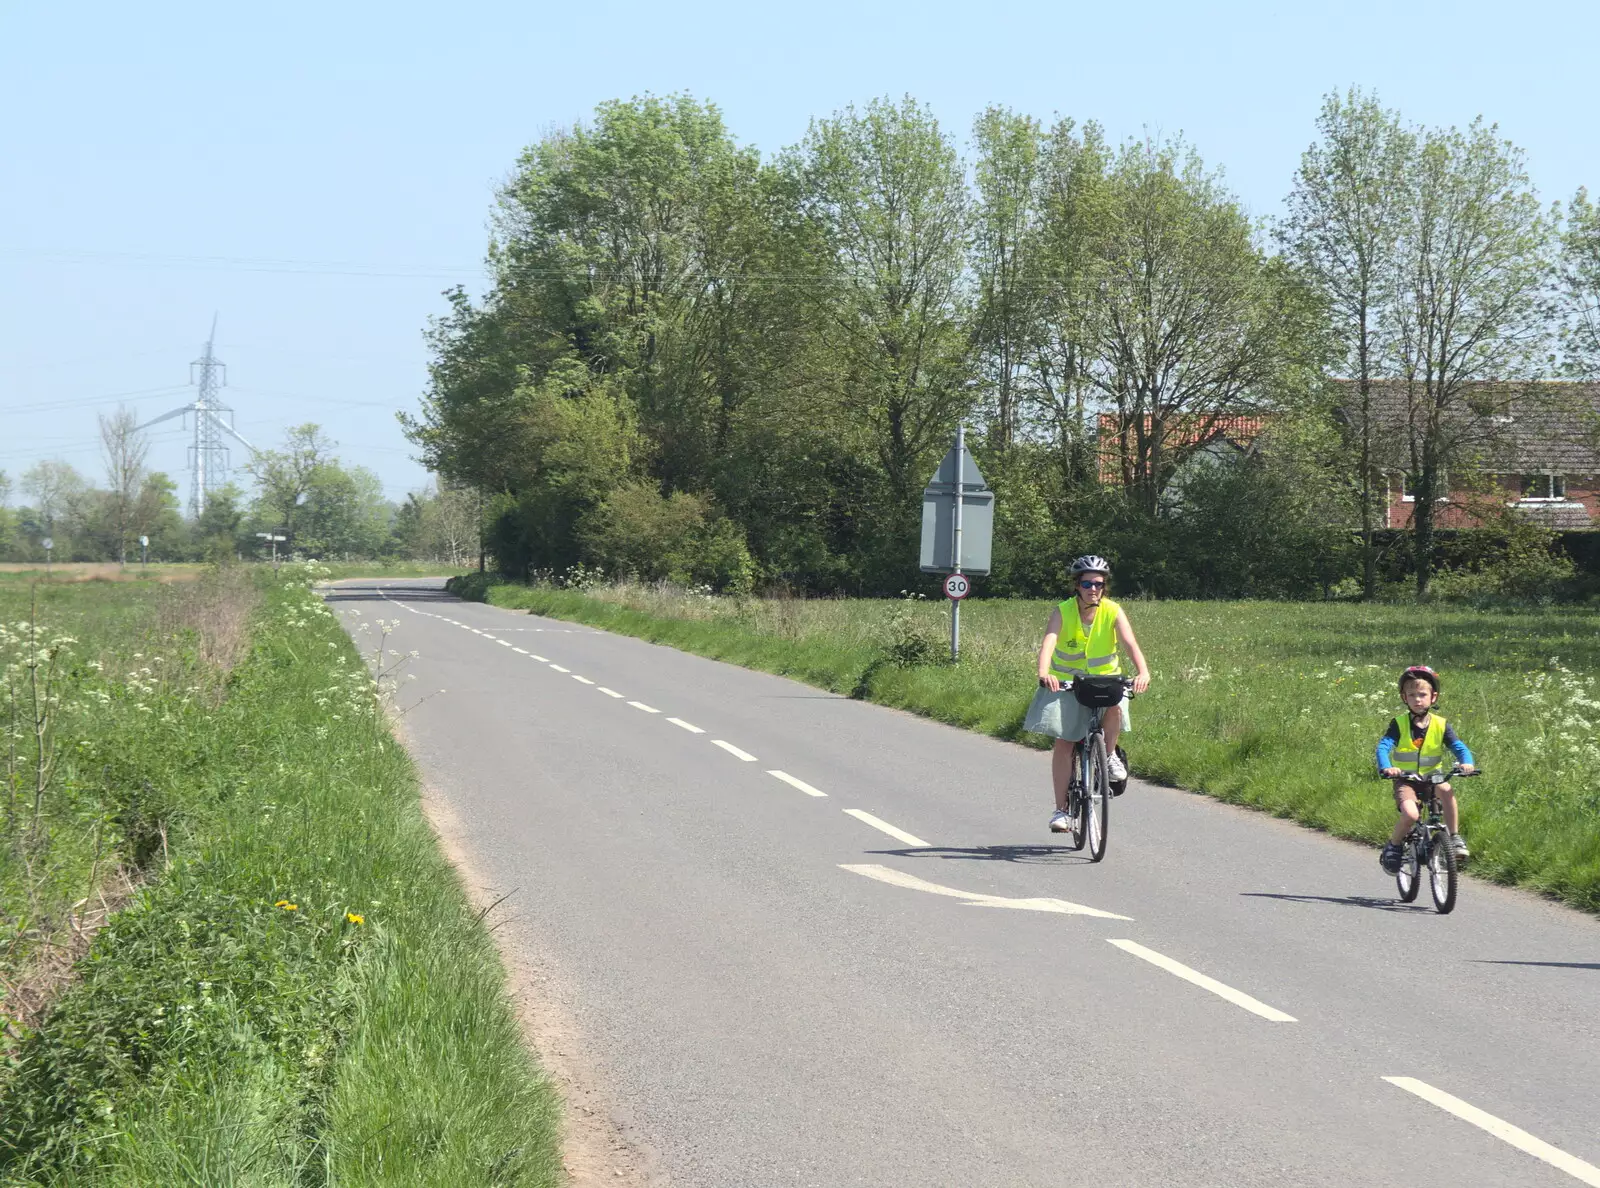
(1516, 427)
(1237, 431)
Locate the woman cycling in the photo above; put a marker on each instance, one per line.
(1081, 639)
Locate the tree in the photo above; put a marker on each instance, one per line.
(449, 525)
(284, 478)
(216, 531)
(1011, 151)
(1473, 262)
(123, 448)
(887, 186)
(156, 515)
(56, 490)
(1580, 286)
(1345, 217)
(7, 520)
(1074, 214)
(1194, 324)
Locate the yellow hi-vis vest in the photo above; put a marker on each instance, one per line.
(1407, 757)
(1093, 653)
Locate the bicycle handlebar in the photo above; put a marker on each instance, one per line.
(1435, 777)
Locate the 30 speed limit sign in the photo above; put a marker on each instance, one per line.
(957, 586)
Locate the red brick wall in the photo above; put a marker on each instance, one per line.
(1455, 514)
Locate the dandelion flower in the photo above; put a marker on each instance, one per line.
(287, 906)
(355, 919)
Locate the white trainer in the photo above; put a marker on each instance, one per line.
(1060, 823)
(1115, 768)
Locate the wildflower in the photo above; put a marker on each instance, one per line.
(287, 906)
(355, 919)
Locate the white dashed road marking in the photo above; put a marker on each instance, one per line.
(794, 783)
(1578, 1169)
(689, 726)
(899, 878)
(1238, 997)
(883, 826)
(584, 679)
(540, 659)
(639, 705)
(608, 692)
(522, 651)
(733, 750)
(558, 668)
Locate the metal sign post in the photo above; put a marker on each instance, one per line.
(955, 545)
(49, 544)
(144, 552)
(957, 529)
(274, 538)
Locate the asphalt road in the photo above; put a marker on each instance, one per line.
(780, 992)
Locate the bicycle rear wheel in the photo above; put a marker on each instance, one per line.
(1442, 872)
(1097, 795)
(1409, 877)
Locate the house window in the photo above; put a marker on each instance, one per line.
(1408, 488)
(1544, 486)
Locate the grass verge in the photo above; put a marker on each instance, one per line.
(299, 994)
(1277, 706)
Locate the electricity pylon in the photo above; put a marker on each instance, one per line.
(208, 457)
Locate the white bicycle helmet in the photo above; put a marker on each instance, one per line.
(1091, 563)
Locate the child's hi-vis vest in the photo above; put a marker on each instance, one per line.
(1407, 757)
(1086, 653)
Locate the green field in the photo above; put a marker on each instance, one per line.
(1273, 705)
(295, 990)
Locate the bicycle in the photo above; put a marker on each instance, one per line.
(1089, 794)
(1428, 845)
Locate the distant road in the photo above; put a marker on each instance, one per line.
(814, 941)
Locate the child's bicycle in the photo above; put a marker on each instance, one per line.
(1428, 847)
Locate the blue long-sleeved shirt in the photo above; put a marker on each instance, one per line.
(1392, 736)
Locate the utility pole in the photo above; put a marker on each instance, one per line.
(208, 457)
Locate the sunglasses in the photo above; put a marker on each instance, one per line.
(1091, 585)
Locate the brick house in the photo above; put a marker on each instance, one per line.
(1535, 447)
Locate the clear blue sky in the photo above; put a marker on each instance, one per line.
(316, 174)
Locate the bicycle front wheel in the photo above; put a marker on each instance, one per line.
(1097, 795)
(1409, 877)
(1442, 872)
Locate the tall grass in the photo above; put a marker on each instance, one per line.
(1274, 705)
(300, 994)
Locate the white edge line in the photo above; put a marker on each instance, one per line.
(1587, 1173)
(583, 679)
(689, 726)
(558, 667)
(794, 783)
(1238, 997)
(608, 692)
(639, 705)
(746, 756)
(883, 826)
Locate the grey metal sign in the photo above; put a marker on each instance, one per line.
(941, 499)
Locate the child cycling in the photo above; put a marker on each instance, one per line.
(1414, 745)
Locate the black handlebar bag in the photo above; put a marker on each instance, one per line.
(1099, 692)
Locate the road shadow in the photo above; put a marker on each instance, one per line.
(1362, 901)
(378, 593)
(1033, 855)
(1546, 964)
